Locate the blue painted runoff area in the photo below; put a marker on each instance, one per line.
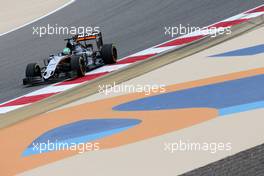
(227, 97)
(249, 51)
(80, 132)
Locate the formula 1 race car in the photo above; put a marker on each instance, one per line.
(81, 54)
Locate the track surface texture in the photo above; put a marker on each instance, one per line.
(249, 162)
(132, 25)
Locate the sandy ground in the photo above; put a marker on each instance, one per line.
(15, 13)
(150, 158)
(242, 130)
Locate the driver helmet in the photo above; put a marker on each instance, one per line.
(66, 51)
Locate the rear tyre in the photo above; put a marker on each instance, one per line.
(33, 70)
(109, 53)
(78, 65)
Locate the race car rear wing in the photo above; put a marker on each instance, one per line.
(87, 37)
(81, 37)
(94, 36)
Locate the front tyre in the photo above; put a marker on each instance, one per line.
(78, 65)
(33, 70)
(109, 53)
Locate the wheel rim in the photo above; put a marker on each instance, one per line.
(114, 55)
(82, 65)
(37, 70)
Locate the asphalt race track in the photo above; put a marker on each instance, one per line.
(132, 25)
(249, 162)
